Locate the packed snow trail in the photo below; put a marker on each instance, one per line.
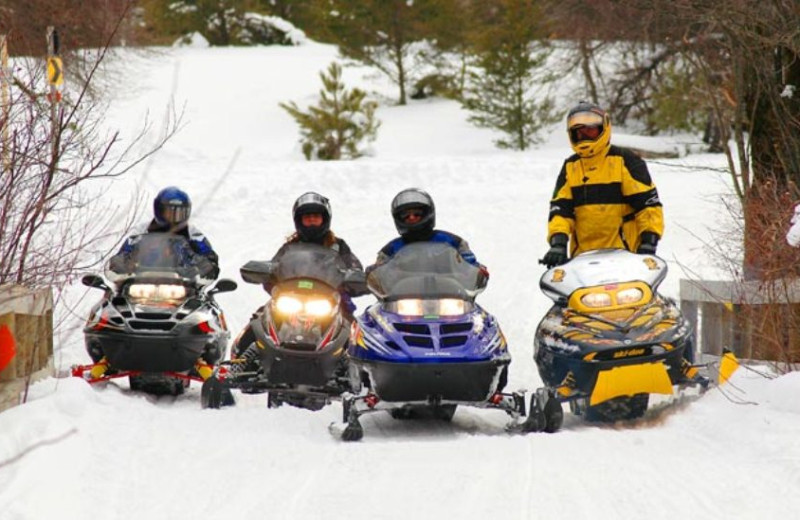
(110, 453)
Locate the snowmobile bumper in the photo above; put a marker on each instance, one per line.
(150, 353)
(648, 378)
(472, 381)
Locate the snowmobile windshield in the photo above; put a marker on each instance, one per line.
(310, 261)
(158, 256)
(426, 270)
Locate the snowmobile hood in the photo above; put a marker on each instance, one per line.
(599, 268)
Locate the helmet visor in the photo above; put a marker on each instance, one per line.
(176, 214)
(411, 198)
(412, 215)
(585, 126)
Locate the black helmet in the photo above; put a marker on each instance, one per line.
(172, 207)
(413, 199)
(589, 129)
(311, 202)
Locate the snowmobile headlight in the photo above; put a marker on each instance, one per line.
(146, 292)
(451, 307)
(142, 291)
(630, 295)
(596, 300)
(318, 307)
(171, 292)
(288, 305)
(409, 307)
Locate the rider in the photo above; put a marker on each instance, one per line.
(171, 210)
(414, 217)
(604, 196)
(312, 214)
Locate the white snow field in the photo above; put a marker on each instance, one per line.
(78, 452)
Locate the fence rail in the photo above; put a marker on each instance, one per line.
(756, 320)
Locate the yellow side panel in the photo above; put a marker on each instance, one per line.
(727, 366)
(650, 378)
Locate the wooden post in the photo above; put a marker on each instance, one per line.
(5, 99)
(55, 94)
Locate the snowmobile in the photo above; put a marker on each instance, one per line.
(426, 347)
(157, 323)
(294, 346)
(610, 340)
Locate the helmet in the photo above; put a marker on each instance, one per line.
(172, 207)
(411, 199)
(311, 202)
(589, 129)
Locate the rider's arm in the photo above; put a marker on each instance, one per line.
(562, 207)
(350, 260)
(200, 245)
(640, 193)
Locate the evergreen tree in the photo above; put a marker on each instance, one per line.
(390, 35)
(501, 89)
(335, 128)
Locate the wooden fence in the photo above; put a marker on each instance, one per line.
(756, 320)
(28, 316)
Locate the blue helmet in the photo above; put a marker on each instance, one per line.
(172, 207)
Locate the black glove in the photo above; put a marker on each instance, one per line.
(557, 254)
(648, 241)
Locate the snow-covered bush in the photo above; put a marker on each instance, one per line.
(225, 22)
(336, 127)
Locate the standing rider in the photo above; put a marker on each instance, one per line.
(604, 196)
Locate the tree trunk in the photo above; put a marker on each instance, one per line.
(775, 156)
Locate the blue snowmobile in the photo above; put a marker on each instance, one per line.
(426, 347)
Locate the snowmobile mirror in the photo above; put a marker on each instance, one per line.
(355, 281)
(93, 280)
(223, 285)
(258, 272)
(481, 282)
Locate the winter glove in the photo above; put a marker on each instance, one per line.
(647, 243)
(557, 254)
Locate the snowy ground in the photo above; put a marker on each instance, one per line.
(74, 452)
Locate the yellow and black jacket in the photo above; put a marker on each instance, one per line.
(605, 201)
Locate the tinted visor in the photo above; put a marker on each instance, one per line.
(585, 126)
(414, 214)
(585, 133)
(177, 214)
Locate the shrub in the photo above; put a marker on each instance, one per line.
(341, 121)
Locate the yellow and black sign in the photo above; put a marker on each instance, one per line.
(55, 72)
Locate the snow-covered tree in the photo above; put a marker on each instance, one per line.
(222, 22)
(336, 127)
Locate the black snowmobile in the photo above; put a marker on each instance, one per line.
(611, 340)
(294, 346)
(157, 323)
